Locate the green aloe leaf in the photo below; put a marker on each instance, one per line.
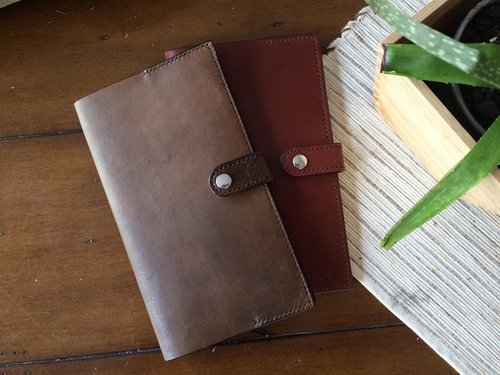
(476, 165)
(469, 60)
(413, 61)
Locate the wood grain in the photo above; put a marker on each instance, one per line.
(398, 351)
(64, 273)
(55, 52)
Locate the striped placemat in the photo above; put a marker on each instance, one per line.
(4, 3)
(443, 280)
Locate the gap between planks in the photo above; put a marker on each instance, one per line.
(265, 337)
(40, 135)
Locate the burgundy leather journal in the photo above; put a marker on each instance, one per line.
(278, 87)
(188, 194)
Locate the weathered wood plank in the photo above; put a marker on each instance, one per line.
(66, 286)
(379, 351)
(54, 52)
(65, 282)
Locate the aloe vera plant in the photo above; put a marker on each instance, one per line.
(437, 57)
(413, 61)
(476, 165)
(467, 59)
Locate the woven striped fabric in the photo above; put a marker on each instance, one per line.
(442, 281)
(4, 3)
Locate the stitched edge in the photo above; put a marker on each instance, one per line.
(327, 133)
(340, 214)
(227, 192)
(335, 185)
(268, 195)
(285, 160)
(286, 39)
(335, 168)
(265, 321)
(242, 160)
(226, 88)
(328, 126)
(174, 59)
(319, 147)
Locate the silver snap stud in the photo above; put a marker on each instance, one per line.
(223, 181)
(299, 161)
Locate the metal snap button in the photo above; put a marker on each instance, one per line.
(299, 161)
(223, 181)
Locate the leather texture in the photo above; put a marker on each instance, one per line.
(208, 267)
(320, 159)
(245, 172)
(278, 87)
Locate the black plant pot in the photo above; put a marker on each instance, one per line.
(479, 106)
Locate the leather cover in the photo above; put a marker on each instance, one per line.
(208, 266)
(278, 87)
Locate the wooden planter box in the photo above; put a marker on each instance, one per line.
(422, 121)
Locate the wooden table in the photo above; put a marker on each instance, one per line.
(68, 299)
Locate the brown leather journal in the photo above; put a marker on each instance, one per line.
(278, 87)
(188, 193)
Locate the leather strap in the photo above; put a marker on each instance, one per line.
(244, 173)
(320, 159)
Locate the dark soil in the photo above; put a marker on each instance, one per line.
(483, 103)
(485, 26)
